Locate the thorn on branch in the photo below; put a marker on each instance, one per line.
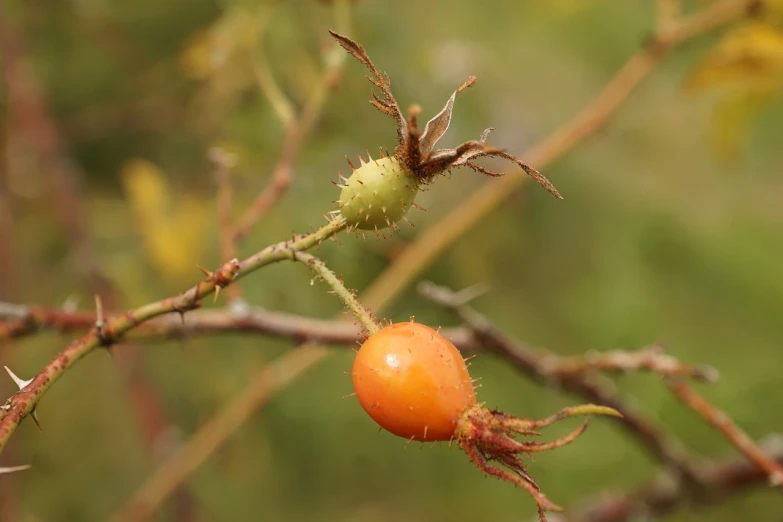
(14, 469)
(222, 277)
(105, 336)
(22, 384)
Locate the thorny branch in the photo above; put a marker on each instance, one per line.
(24, 401)
(261, 321)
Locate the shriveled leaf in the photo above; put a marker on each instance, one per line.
(356, 50)
(387, 105)
(485, 134)
(438, 125)
(533, 173)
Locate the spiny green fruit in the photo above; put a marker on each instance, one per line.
(378, 194)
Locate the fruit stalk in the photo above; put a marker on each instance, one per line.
(348, 298)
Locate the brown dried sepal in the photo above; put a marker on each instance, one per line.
(489, 439)
(417, 149)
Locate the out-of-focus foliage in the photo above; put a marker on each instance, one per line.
(657, 240)
(746, 68)
(171, 226)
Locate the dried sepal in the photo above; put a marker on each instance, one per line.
(499, 153)
(387, 104)
(439, 124)
(444, 159)
(367, 201)
(411, 149)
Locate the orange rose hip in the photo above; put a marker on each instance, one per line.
(413, 382)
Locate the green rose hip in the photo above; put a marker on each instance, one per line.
(378, 194)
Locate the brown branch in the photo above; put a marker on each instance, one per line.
(255, 320)
(224, 163)
(24, 401)
(650, 358)
(661, 497)
(645, 430)
(733, 433)
(430, 244)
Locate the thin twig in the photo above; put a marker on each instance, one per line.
(24, 401)
(650, 358)
(224, 163)
(296, 132)
(662, 496)
(733, 433)
(284, 109)
(430, 245)
(645, 430)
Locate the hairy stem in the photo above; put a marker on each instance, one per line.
(348, 298)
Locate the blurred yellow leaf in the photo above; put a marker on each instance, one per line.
(173, 231)
(731, 118)
(749, 56)
(746, 66)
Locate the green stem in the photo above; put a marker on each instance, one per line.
(348, 298)
(23, 402)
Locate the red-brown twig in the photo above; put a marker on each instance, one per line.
(652, 436)
(24, 401)
(662, 496)
(224, 163)
(733, 433)
(650, 358)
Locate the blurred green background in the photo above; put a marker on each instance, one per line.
(661, 237)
